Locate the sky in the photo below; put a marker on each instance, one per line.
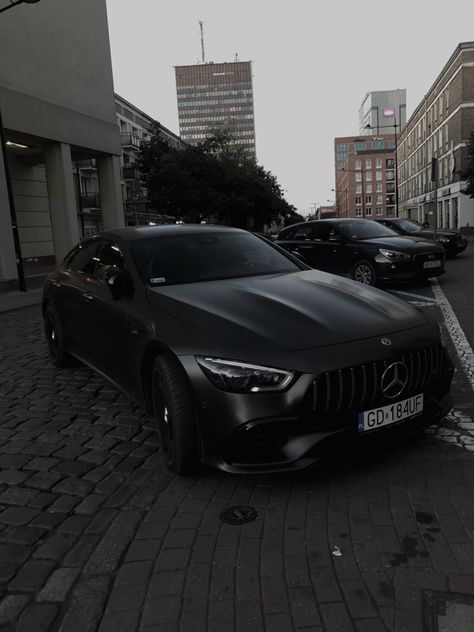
(313, 63)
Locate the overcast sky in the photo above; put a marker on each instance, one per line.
(313, 63)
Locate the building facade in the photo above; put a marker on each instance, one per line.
(214, 97)
(439, 129)
(57, 105)
(365, 176)
(134, 127)
(381, 110)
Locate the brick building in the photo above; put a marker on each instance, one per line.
(439, 128)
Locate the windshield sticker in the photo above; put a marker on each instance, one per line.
(158, 280)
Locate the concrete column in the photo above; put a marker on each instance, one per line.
(111, 202)
(8, 269)
(62, 198)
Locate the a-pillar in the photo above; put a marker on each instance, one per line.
(62, 198)
(111, 202)
(8, 270)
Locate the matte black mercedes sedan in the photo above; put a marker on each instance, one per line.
(367, 251)
(451, 240)
(249, 360)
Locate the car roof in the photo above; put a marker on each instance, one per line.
(136, 233)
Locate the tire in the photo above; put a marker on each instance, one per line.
(364, 272)
(176, 417)
(55, 338)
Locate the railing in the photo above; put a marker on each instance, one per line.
(90, 201)
(130, 173)
(130, 140)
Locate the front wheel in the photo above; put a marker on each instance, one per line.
(176, 417)
(364, 272)
(55, 338)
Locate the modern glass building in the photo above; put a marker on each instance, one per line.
(215, 97)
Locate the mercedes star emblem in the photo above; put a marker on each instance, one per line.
(386, 341)
(394, 379)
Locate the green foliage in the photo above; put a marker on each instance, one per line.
(211, 181)
(468, 173)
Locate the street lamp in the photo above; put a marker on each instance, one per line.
(395, 125)
(13, 3)
(16, 237)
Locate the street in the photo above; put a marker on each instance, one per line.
(96, 534)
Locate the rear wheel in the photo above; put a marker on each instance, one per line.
(364, 272)
(176, 417)
(55, 338)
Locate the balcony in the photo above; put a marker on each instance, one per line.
(130, 172)
(87, 166)
(90, 202)
(130, 141)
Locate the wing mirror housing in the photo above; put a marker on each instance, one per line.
(119, 283)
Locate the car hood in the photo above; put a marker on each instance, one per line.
(287, 311)
(406, 243)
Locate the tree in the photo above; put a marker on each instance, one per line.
(468, 173)
(213, 181)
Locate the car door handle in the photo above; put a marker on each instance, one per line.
(87, 297)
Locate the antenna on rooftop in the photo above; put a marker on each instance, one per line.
(202, 41)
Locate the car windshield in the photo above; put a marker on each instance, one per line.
(188, 258)
(358, 229)
(409, 226)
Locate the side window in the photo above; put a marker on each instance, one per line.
(302, 233)
(320, 231)
(109, 255)
(286, 234)
(84, 258)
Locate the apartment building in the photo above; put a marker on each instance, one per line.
(134, 127)
(365, 176)
(213, 97)
(439, 129)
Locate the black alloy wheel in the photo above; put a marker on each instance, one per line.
(55, 338)
(175, 414)
(364, 272)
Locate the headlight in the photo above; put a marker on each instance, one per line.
(393, 254)
(443, 240)
(240, 377)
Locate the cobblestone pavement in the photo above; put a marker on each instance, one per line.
(95, 535)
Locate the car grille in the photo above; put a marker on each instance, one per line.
(427, 256)
(358, 387)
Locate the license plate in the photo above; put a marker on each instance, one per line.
(386, 415)
(432, 264)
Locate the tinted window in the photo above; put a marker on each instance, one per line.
(325, 231)
(188, 258)
(411, 227)
(83, 258)
(364, 229)
(303, 232)
(109, 255)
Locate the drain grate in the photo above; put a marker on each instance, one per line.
(238, 514)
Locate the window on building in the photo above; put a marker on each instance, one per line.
(358, 212)
(358, 199)
(390, 174)
(358, 177)
(390, 210)
(378, 210)
(377, 144)
(391, 144)
(358, 164)
(379, 187)
(378, 163)
(368, 176)
(368, 199)
(358, 188)
(360, 146)
(368, 164)
(390, 163)
(368, 187)
(368, 211)
(378, 175)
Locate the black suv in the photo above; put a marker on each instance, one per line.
(370, 252)
(451, 240)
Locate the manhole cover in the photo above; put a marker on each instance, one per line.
(239, 514)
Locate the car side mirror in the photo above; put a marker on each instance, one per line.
(119, 283)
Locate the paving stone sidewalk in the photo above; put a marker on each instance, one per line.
(95, 535)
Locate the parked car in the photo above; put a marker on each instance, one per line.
(369, 252)
(451, 240)
(249, 360)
